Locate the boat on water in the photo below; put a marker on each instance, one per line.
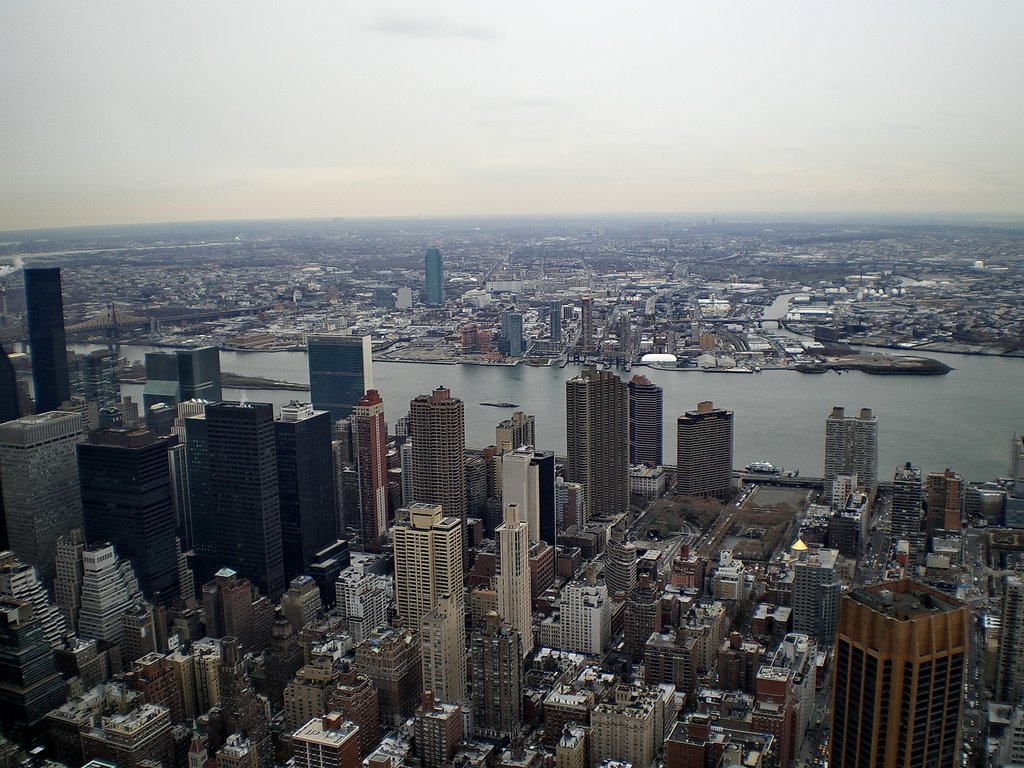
(502, 404)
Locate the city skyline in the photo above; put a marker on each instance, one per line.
(786, 108)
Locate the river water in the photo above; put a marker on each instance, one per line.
(964, 420)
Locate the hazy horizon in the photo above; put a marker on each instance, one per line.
(147, 113)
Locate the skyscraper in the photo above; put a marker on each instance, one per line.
(587, 340)
(945, 494)
(18, 581)
(340, 371)
(555, 321)
(434, 277)
(704, 448)
(305, 481)
(512, 333)
(515, 432)
(898, 676)
(443, 642)
(597, 439)
(127, 500)
(108, 588)
(99, 378)
(1010, 666)
(851, 447)
(31, 684)
(586, 615)
(497, 679)
(369, 436)
(44, 306)
(438, 431)
(907, 495)
(645, 422)
(816, 593)
(428, 561)
(243, 493)
(513, 578)
(42, 498)
(9, 408)
(185, 374)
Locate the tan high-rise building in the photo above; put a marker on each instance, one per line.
(437, 428)
(428, 561)
(513, 580)
(443, 636)
(704, 452)
(597, 439)
(898, 675)
(515, 432)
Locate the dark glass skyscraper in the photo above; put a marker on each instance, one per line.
(29, 679)
(185, 374)
(45, 311)
(244, 505)
(8, 388)
(512, 333)
(305, 478)
(127, 500)
(645, 422)
(597, 439)
(99, 378)
(340, 371)
(434, 271)
(545, 461)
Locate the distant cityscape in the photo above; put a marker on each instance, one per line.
(340, 579)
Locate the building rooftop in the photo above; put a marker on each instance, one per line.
(905, 600)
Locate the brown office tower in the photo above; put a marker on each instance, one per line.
(390, 658)
(944, 493)
(370, 442)
(704, 452)
(901, 648)
(356, 699)
(438, 432)
(597, 439)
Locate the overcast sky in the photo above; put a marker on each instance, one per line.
(152, 110)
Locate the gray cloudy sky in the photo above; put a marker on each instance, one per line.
(121, 111)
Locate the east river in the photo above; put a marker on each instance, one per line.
(964, 420)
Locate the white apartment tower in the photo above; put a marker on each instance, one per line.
(109, 587)
(586, 616)
(19, 581)
(851, 447)
(520, 486)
